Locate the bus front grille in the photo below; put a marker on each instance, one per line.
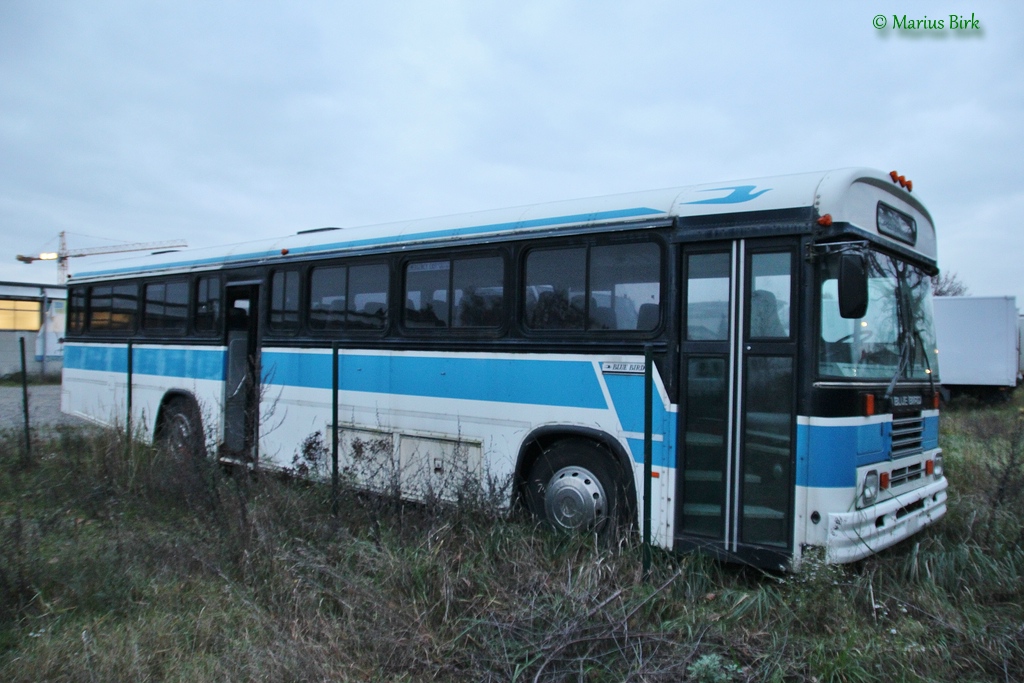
(906, 435)
(905, 475)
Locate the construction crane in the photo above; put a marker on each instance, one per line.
(62, 254)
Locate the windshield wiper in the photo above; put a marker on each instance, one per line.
(904, 338)
(901, 366)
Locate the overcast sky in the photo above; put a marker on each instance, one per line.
(219, 122)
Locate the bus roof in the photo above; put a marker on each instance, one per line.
(840, 193)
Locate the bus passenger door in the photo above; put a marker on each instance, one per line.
(241, 386)
(737, 421)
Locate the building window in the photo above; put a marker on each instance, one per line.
(20, 315)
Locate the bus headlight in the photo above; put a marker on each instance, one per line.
(937, 467)
(869, 491)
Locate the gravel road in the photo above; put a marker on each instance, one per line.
(43, 407)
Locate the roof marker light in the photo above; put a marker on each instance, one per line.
(825, 221)
(902, 180)
(284, 252)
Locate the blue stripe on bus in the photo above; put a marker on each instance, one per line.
(527, 381)
(627, 392)
(930, 432)
(637, 212)
(828, 455)
(192, 363)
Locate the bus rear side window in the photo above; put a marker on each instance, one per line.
(113, 308)
(166, 307)
(76, 311)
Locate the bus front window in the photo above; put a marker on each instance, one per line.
(896, 336)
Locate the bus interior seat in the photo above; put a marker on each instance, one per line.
(602, 317)
(546, 312)
(335, 314)
(439, 307)
(647, 317)
(764, 315)
(374, 309)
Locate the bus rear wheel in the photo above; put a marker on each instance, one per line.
(181, 431)
(573, 487)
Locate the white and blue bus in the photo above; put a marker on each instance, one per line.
(789, 320)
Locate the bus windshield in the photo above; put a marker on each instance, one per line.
(896, 337)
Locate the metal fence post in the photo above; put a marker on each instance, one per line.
(334, 429)
(128, 421)
(24, 401)
(648, 437)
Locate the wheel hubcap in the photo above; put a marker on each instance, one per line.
(575, 499)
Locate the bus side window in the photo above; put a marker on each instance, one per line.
(284, 301)
(207, 318)
(479, 292)
(625, 287)
(707, 297)
(555, 275)
(770, 295)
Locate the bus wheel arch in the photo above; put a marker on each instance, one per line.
(179, 426)
(571, 466)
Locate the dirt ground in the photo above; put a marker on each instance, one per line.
(43, 407)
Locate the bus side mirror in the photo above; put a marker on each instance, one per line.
(853, 285)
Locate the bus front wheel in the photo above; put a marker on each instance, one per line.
(573, 487)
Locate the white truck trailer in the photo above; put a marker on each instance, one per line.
(979, 344)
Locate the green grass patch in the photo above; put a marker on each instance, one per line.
(117, 563)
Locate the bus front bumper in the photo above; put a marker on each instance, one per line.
(855, 535)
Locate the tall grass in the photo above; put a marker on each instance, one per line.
(118, 563)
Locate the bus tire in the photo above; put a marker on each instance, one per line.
(181, 431)
(574, 486)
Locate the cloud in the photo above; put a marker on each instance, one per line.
(230, 121)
